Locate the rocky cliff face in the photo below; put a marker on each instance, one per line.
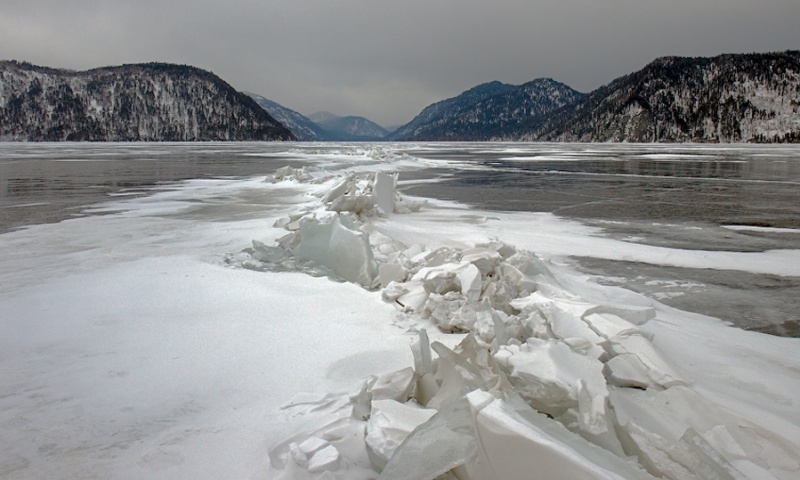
(729, 98)
(145, 102)
(488, 111)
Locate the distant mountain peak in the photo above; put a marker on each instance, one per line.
(349, 127)
(487, 110)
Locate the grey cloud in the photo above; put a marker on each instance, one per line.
(387, 60)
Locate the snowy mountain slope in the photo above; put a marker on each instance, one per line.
(349, 127)
(438, 112)
(728, 98)
(143, 102)
(301, 126)
(488, 111)
(322, 117)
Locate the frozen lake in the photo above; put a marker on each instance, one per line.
(182, 311)
(702, 197)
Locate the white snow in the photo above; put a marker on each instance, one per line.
(153, 342)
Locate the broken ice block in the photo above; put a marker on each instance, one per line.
(608, 325)
(324, 460)
(335, 242)
(444, 442)
(516, 447)
(389, 425)
(549, 376)
(637, 363)
(384, 189)
(483, 258)
(461, 277)
(391, 272)
(395, 385)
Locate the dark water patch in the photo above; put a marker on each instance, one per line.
(751, 301)
(44, 183)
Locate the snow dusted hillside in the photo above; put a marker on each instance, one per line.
(301, 126)
(488, 111)
(438, 112)
(729, 98)
(146, 102)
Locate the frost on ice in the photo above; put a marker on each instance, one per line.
(544, 384)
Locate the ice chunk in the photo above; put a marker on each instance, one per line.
(659, 456)
(522, 283)
(335, 242)
(470, 278)
(434, 258)
(391, 272)
(421, 349)
(444, 442)
(627, 370)
(340, 188)
(608, 325)
(289, 173)
(712, 465)
(389, 425)
(660, 419)
(297, 455)
(550, 376)
(385, 185)
(324, 460)
(358, 204)
(413, 296)
(484, 258)
(266, 253)
(311, 445)
(395, 385)
(514, 447)
(566, 324)
(636, 314)
(638, 363)
(463, 277)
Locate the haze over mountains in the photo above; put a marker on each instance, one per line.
(728, 98)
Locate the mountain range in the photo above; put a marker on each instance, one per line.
(322, 126)
(142, 102)
(728, 98)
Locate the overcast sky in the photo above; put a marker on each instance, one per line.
(388, 59)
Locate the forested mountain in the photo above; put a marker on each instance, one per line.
(142, 102)
(302, 127)
(729, 98)
(488, 111)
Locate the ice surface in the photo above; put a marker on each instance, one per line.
(556, 345)
(162, 350)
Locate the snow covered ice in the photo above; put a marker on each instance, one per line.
(348, 331)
